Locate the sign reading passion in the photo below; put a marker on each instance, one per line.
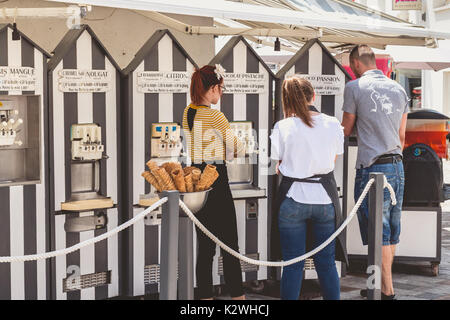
(326, 84)
(163, 82)
(245, 83)
(17, 79)
(74, 80)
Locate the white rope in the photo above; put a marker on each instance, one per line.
(88, 242)
(294, 260)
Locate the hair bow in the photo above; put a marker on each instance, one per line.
(220, 71)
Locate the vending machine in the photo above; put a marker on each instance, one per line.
(25, 223)
(85, 154)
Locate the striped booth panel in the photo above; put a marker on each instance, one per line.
(162, 53)
(91, 273)
(80, 52)
(238, 57)
(24, 222)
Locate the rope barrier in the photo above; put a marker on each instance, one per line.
(85, 243)
(160, 202)
(300, 258)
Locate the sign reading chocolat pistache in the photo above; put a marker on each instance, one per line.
(17, 79)
(325, 85)
(163, 81)
(84, 81)
(245, 83)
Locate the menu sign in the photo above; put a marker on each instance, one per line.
(17, 79)
(84, 81)
(406, 4)
(326, 84)
(163, 82)
(245, 83)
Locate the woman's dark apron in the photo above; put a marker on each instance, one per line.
(329, 184)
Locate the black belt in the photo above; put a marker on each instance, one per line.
(393, 158)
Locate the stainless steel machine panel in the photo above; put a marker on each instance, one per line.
(240, 173)
(84, 177)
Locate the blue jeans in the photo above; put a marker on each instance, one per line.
(391, 214)
(292, 224)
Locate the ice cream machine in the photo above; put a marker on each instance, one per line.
(166, 140)
(20, 139)
(87, 151)
(240, 170)
(9, 125)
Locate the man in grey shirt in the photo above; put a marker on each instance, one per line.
(377, 106)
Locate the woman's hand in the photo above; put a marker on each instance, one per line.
(277, 167)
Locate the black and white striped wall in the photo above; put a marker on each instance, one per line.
(24, 223)
(161, 52)
(80, 49)
(237, 56)
(314, 59)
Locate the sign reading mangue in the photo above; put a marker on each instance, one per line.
(17, 79)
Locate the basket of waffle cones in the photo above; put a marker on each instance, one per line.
(191, 182)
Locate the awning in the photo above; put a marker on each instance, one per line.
(334, 22)
(419, 58)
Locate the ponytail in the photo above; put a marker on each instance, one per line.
(296, 95)
(203, 79)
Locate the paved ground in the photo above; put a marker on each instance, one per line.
(412, 281)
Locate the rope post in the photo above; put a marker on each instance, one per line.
(169, 246)
(186, 258)
(375, 236)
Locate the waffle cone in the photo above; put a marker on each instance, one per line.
(164, 179)
(178, 179)
(189, 183)
(152, 165)
(196, 174)
(207, 178)
(152, 180)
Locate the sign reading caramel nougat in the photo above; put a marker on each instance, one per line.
(326, 84)
(163, 82)
(245, 83)
(17, 79)
(84, 81)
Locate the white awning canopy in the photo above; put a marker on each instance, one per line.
(336, 21)
(419, 58)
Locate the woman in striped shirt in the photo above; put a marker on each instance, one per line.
(211, 140)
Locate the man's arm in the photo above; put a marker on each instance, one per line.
(402, 129)
(348, 122)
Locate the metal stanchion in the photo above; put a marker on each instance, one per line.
(186, 258)
(169, 246)
(375, 235)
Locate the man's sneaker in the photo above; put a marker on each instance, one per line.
(385, 297)
(363, 293)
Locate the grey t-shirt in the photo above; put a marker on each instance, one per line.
(379, 104)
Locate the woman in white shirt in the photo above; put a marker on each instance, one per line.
(306, 144)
